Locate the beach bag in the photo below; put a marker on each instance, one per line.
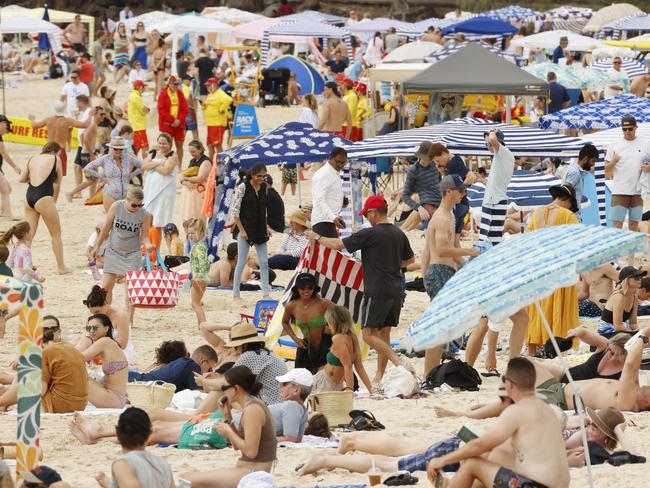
(152, 288)
(454, 373)
(399, 382)
(56, 71)
(150, 394)
(335, 405)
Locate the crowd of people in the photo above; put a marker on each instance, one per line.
(251, 401)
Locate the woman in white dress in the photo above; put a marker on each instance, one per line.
(375, 50)
(160, 170)
(309, 114)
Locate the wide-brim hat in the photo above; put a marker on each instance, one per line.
(565, 191)
(244, 333)
(299, 218)
(117, 143)
(606, 419)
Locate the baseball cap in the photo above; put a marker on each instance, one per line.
(423, 150)
(59, 109)
(361, 87)
(628, 121)
(139, 84)
(348, 82)
(41, 475)
(630, 272)
(3, 118)
(211, 81)
(300, 376)
(268, 179)
(339, 77)
(172, 79)
(373, 201)
(451, 182)
(332, 86)
(499, 133)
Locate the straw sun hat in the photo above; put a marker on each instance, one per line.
(243, 333)
(299, 218)
(606, 419)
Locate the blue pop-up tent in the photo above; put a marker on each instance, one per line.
(310, 80)
(481, 26)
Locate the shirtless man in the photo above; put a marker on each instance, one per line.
(335, 112)
(75, 34)
(640, 84)
(58, 130)
(440, 257)
(221, 272)
(533, 431)
(88, 152)
(594, 286)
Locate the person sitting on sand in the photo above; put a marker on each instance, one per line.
(63, 374)
(136, 466)
(175, 365)
(112, 393)
(344, 357)
(594, 288)
(97, 302)
(620, 311)
(223, 271)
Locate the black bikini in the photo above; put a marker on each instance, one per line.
(45, 189)
(589, 370)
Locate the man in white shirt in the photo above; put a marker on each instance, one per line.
(327, 195)
(615, 85)
(137, 73)
(125, 13)
(495, 199)
(625, 160)
(71, 90)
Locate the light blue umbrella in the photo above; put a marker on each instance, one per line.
(516, 273)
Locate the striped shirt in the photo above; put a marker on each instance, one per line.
(425, 181)
(294, 244)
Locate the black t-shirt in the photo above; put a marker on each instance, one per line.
(383, 248)
(182, 67)
(456, 166)
(337, 67)
(204, 66)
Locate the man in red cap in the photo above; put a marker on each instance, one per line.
(364, 111)
(216, 114)
(352, 101)
(172, 110)
(385, 250)
(137, 115)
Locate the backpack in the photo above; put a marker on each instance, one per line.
(455, 373)
(56, 71)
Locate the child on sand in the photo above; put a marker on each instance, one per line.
(199, 266)
(20, 259)
(5, 271)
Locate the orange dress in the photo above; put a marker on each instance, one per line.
(561, 308)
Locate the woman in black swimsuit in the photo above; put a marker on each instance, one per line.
(41, 173)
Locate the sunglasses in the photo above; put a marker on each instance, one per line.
(137, 205)
(117, 149)
(628, 129)
(53, 329)
(92, 328)
(225, 388)
(504, 378)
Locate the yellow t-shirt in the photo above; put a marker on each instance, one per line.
(173, 102)
(136, 114)
(352, 100)
(364, 111)
(216, 108)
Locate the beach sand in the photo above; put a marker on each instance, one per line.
(78, 464)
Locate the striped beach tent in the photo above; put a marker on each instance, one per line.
(513, 13)
(419, 28)
(453, 47)
(568, 12)
(314, 16)
(604, 138)
(632, 67)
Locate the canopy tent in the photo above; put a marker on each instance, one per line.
(610, 14)
(513, 13)
(291, 143)
(567, 12)
(551, 39)
(395, 72)
(310, 80)
(154, 17)
(575, 76)
(604, 138)
(314, 16)
(303, 29)
(380, 24)
(638, 22)
(411, 52)
(482, 26)
(31, 25)
(452, 47)
(603, 114)
(465, 137)
(255, 30)
(632, 67)
(229, 15)
(419, 28)
(459, 73)
(56, 17)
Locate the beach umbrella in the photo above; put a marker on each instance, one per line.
(549, 40)
(604, 138)
(314, 16)
(513, 13)
(43, 39)
(575, 76)
(602, 114)
(637, 22)
(609, 14)
(411, 52)
(632, 67)
(567, 12)
(481, 26)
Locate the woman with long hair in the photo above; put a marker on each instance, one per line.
(344, 357)
(249, 210)
(120, 52)
(306, 310)
(255, 437)
(112, 393)
(309, 112)
(194, 180)
(41, 174)
(5, 187)
(161, 167)
(139, 42)
(97, 302)
(620, 311)
(106, 124)
(375, 50)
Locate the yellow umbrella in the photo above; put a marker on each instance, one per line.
(610, 14)
(631, 44)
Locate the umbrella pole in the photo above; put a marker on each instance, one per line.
(578, 403)
(299, 167)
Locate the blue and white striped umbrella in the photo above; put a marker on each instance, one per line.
(517, 273)
(314, 16)
(453, 47)
(513, 13)
(637, 22)
(603, 114)
(419, 28)
(567, 12)
(632, 67)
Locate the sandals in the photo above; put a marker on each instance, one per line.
(491, 373)
(402, 479)
(364, 420)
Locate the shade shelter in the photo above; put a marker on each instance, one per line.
(453, 47)
(513, 13)
(229, 15)
(481, 26)
(302, 29)
(310, 80)
(551, 40)
(632, 67)
(411, 52)
(474, 69)
(314, 16)
(640, 22)
(56, 17)
(380, 24)
(255, 30)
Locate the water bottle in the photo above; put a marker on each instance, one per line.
(97, 276)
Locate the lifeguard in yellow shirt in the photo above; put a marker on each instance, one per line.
(364, 111)
(215, 109)
(137, 115)
(351, 99)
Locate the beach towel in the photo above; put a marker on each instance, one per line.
(310, 442)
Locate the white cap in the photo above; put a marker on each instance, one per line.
(300, 376)
(59, 108)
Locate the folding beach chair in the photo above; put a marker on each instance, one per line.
(264, 310)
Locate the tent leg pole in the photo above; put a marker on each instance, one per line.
(508, 109)
(299, 167)
(580, 407)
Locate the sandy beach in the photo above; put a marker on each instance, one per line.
(78, 464)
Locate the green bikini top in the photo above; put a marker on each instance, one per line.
(333, 360)
(316, 322)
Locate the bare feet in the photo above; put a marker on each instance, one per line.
(443, 412)
(64, 271)
(86, 431)
(312, 466)
(346, 444)
(103, 480)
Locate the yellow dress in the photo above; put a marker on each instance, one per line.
(561, 308)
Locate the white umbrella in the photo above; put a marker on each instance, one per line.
(551, 39)
(411, 52)
(232, 16)
(147, 19)
(610, 14)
